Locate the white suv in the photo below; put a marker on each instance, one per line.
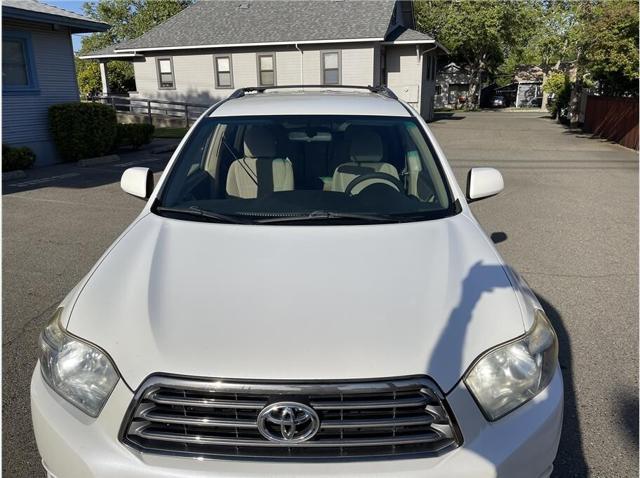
(305, 292)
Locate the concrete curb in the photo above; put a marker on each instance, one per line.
(11, 175)
(111, 158)
(165, 149)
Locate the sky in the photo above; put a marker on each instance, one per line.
(73, 6)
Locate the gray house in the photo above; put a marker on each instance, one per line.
(37, 70)
(452, 86)
(212, 47)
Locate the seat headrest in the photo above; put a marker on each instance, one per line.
(365, 144)
(259, 142)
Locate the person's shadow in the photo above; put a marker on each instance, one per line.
(481, 279)
(485, 279)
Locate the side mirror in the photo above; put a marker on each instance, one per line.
(483, 183)
(138, 182)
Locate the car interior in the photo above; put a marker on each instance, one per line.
(314, 160)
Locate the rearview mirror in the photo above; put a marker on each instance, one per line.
(483, 183)
(138, 182)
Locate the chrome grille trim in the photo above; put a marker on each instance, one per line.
(211, 418)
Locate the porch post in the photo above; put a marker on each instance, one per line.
(103, 77)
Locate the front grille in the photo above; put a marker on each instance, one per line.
(218, 418)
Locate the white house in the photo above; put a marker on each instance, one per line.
(206, 51)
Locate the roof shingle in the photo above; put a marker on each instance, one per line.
(215, 23)
(404, 34)
(42, 11)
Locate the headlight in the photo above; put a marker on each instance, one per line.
(78, 371)
(514, 373)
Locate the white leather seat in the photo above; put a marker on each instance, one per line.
(366, 152)
(259, 172)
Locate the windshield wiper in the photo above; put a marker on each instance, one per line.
(324, 215)
(209, 215)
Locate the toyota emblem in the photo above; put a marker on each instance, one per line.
(288, 422)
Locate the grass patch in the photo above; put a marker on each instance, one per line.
(176, 133)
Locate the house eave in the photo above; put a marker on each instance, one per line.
(417, 42)
(238, 45)
(75, 25)
(115, 56)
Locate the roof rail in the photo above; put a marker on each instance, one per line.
(379, 89)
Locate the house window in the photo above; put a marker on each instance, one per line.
(165, 74)
(331, 68)
(18, 67)
(266, 70)
(224, 78)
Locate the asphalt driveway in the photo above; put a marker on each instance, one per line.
(567, 221)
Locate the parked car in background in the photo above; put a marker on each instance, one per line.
(306, 292)
(499, 102)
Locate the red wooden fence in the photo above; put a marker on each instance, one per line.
(613, 118)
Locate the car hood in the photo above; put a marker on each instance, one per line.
(298, 302)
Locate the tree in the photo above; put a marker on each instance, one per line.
(595, 40)
(128, 19)
(608, 41)
(479, 34)
(550, 45)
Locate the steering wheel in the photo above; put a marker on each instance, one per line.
(395, 182)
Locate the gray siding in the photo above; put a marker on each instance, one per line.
(404, 73)
(194, 70)
(445, 79)
(24, 117)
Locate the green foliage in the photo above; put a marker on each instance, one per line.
(129, 19)
(597, 38)
(82, 130)
(16, 158)
(608, 43)
(120, 75)
(134, 135)
(479, 34)
(558, 85)
(555, 83)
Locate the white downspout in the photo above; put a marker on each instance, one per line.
(301, 63)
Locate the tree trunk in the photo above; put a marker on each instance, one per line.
(473, 98)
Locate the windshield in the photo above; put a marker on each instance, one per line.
(279, 169)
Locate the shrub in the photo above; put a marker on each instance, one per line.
(559, 86)
(134, 134)
(82, 130)
(17, 158)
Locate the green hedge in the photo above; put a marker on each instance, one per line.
(17, 158)
(82, 130)
(134, 134)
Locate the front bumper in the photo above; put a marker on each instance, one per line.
(522, 444)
